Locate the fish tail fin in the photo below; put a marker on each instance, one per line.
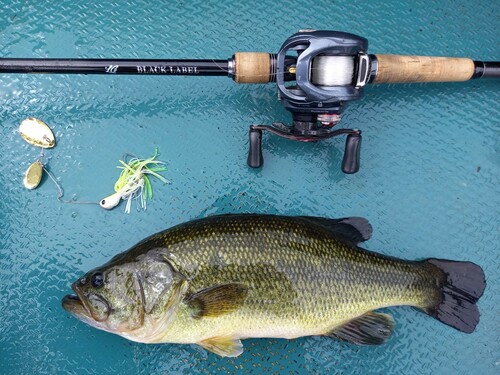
(461, 285)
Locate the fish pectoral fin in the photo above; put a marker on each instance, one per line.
(225, 346)
(218, 300)
(369, 329)
(351, 229)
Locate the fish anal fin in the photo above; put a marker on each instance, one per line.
(218, 300)
(369, 329)
(350, 229)
(225, 346)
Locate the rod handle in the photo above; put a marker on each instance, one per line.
(252, 67)
(401, 69)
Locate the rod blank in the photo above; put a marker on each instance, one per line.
(116, 66)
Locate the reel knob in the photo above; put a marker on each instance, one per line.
(255, 159)
(350, 162)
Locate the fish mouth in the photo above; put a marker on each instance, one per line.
(73, 303)
(76, 306)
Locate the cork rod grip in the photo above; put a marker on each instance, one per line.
(252, 67)
(401, 69)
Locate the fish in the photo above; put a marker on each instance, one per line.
(218, 280)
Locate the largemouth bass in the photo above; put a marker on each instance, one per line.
(218, 280)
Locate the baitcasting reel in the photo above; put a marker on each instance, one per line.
(317, 73)
(329, 69)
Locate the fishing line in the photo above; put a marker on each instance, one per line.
(332, 70)
(61, 191)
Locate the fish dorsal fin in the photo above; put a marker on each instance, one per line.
(349, 229)
(217, 300)
(369, 329)
(224, 346)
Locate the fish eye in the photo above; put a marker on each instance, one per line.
(97, 279)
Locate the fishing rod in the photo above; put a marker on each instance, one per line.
(317, 73)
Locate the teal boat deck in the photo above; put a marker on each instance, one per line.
(428, 183)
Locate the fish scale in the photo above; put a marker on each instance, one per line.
(299, 269)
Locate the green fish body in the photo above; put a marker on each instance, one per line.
(225, 278)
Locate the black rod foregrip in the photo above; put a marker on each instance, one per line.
(486, 69)
(116, 66)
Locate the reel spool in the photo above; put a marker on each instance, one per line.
(329, 70)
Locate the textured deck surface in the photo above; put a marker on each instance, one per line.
(429, 181)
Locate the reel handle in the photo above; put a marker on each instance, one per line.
(255, 159)
(350, 161)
